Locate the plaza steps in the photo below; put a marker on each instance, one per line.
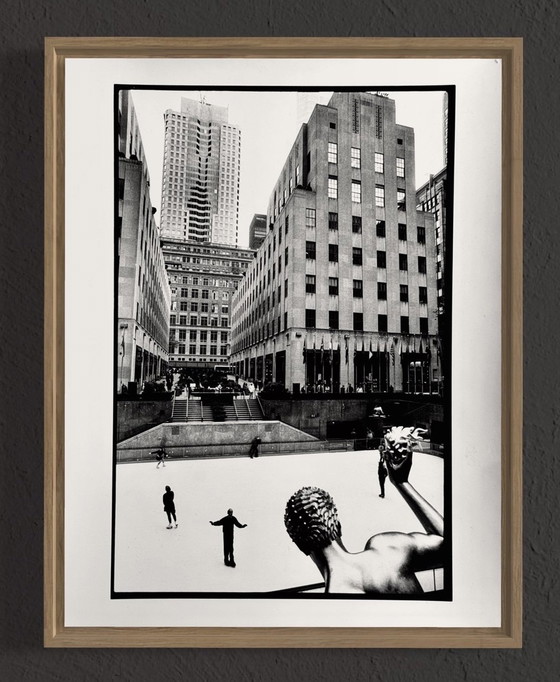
(180, 408)
(243, 409)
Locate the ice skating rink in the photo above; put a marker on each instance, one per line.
(150, 558)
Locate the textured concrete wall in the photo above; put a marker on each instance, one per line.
(134, 416)
(22, 29)
(201, 439)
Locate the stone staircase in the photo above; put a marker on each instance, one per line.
(243, 409)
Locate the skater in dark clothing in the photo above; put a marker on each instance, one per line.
(254, 451)
(169, 506)
(227, 523)
(381, 475)
(160, 456)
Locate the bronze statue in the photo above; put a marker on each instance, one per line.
(389, 561)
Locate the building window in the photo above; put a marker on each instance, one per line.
(286, 256)
(381, 259)
(423, 295)
(401, 200)
(192, 349)
(332, 125)
(223, 350)
(421, 234)
(402, 231)
(380, 228)
(424, 326)
(333, 152)
(355, 157)
(184, 305)
(379, 195)
(378, 163)
(309, 217)
(422, 264)
(203, 321)
(213, 336)
(382, 323)
(400, 167)
(356, 256)
(333, 221)
(182, 334)
(404, 293)
(285, 321)
(192, 335)
(399, 140)
(358, 322)
(333, 286)
(403, 261)
(224, 322)
(288, 222)
(357, 224)
(309, 284)
(357, 288)
(173, 319)
(205, 293)
(356, 191)
(183, 319)
(203, 336)
(310, 250)
(285, 288)
(333, 319)
(404, 325)
(203, 307)
(194, 293)
(194, 321)
(213, 350)
(333, 187)
(333, 253)
(203, 350)
(309, 318)
(382, 291)
(184, 293)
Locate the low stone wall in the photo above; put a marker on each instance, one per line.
(213, 439)
(136, 416)
(312, 415)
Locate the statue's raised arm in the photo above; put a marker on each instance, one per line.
(396, 448)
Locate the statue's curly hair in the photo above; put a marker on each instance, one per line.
(311, 519)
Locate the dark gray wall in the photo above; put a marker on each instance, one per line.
(23, 25)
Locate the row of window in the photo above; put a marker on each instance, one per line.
(194, 321)
(357, 257)
(202, 350)
(358, 322)
(356, 159)
(380, 227)
(356, 193)
(193, 335)
(357, 287)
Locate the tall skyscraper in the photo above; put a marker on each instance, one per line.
(200, 183)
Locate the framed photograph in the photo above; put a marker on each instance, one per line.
(283, 342)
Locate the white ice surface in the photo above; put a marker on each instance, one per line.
(150, 558)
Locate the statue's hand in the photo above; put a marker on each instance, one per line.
(399, 463)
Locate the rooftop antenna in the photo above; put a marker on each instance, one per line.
(202, 97)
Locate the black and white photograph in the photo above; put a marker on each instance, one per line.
(282, 342)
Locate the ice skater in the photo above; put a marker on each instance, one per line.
(169, 506)
(227, 523)
(381, 475)
(389, 561)
(160, 456)
(254, 450)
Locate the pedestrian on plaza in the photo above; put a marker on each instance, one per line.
(381, 475)
(254, 450)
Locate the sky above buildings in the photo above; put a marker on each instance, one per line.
(269, 122)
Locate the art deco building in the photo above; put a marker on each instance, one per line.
(343, 289)
(432, 198)
(143, 290)
(203, 279)
(257, 230)
(200, 181)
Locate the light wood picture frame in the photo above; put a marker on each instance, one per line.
(508, 51)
